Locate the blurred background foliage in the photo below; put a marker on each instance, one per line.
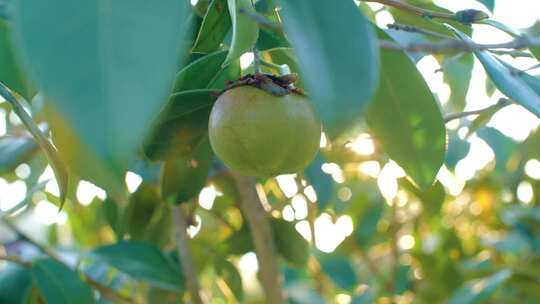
(352, 228)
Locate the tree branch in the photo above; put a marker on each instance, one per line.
(413, 9)
(458, 45)
(263, 241)
(184, 254)
(503, 102)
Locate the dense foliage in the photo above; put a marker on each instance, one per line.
(111, 191)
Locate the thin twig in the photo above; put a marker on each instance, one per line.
(184, 254)
(414, 10)
(263, 240)
(503, 102)
(15, 259)
(458, 45)
(256, 60)
(414, 29)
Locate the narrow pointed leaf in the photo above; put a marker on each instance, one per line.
(215, 26)
(245, 29)
(338, 58)
(59, 169)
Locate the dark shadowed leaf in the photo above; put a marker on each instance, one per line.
(214, 28)
(479, 290)
(199, 73)
(184, 175)
(232, 278)
(92, 75)
(367, 224)
(508, 83)
(181, 125)
(59, 284)
(337, 55)
(289, 243)
(142, 261)
(406, 119)
(14, 150)
(339, 269)
(245, 29)
(11, 73)
(321, 182)
(15, 284)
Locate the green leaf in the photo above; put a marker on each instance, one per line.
(142, 205)
(142, 261)
(57, 165)
(214, 28)
(103, 58)
(432, 198)
(181, 125)
(339, 269)
(289, 243)
(15, 150)
(338, 57)
(321, 182)
(232, 278)
(59, 284)
(367, 224)
(479, 290)
(510, 85)
(11, 73)
(185, 175)
(490, 4)
(501, 26)
(457, 149)
(15, 284)
(406, 119)
(502, 145)
(199, 73)
(245, 29)
(457, 73)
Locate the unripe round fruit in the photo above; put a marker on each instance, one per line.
(263, 135)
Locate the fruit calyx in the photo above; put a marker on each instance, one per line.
(272, 84)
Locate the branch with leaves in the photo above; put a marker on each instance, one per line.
(105, 291)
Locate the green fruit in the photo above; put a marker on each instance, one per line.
(263, 135)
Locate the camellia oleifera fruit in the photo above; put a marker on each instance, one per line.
(260, 134)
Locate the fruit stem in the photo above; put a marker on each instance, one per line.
(263, 240)
(184, 254)
(257, 60)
